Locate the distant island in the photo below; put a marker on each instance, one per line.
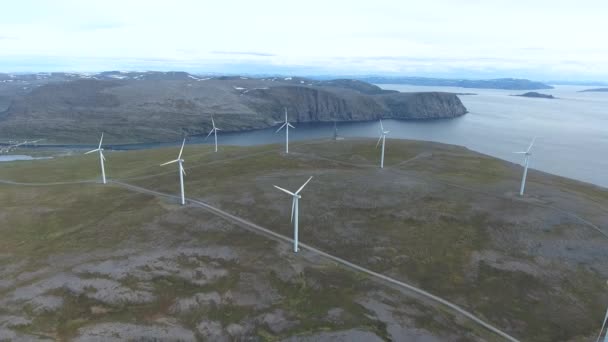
(499, 83)
(595, 90)
(536, 95)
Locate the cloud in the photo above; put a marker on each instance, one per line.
(7, 38)
(244, 53)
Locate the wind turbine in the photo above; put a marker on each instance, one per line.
(602, 329)
(527, 155)
(286, 125)
(383, 134)
(214, 131)
(182, 173)
(295, 211)
(101, 159)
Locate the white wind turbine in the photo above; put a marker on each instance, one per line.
(295, 212)
(286, 125)
(383, 134)
(182, 173)
(101, 159)
(214, 131)
(527, 155)
(602, 329)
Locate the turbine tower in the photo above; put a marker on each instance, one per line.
(214, 131)
(182, 173)
(602, 329)
(286, 125)
(295, 211)
(101, 159)
(527, 155)
(383, 134)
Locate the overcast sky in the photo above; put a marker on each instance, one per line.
(458, 38)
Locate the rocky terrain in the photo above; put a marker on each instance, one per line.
(154, 106)
(499, 83)
(534, 94)
(83, 261)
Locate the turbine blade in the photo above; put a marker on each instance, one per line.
(100, 140)
(287, 191)
(532, 143)
(102, 156)
(381, 127)
(91, 151)
(211, 131)
(182, 149)
(303, 185)
(288, 124)
(378, 143)
(170, 162)
(280, 128)
(213, 122)
(386, 132)
(183, 171)
(521, 152)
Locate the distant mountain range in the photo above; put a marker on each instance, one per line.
(499, 83)
(595, 90)
(162, 106)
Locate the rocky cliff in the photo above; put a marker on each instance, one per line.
(147, 107)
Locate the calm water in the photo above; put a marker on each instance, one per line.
(572, 130)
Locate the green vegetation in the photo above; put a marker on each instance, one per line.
(443, 221)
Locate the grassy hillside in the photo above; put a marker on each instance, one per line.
(440, 217)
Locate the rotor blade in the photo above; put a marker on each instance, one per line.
(91, 151)
(170, 162)
(182, 149)
(521, 152)
(217, 129)
(378, 143)
(183, 171)
(303, 185)
(386, 132)
(287, 191)
(532, 143)
(280, 128)
(381, 127)
(211, 131)
(102, 156)
(293, 207)
(100, 140)
(212, 122)
(288, 124)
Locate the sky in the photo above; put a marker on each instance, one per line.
(538, 39)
